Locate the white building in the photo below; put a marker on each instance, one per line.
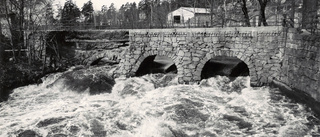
(188, 16)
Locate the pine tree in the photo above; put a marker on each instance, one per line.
(70, 13)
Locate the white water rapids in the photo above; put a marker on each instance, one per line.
(156, 106)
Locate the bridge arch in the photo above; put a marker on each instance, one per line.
(229, 53)
(171, 55)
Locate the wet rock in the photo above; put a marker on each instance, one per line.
(74, 129)
(29, 133)
(240, 110)
(121, 125)
(232, 118)
(208, 134)
(177, 133)
(186, 113)
(188, 101)
(60, 135)
(128, 90)
(86, 80)
(239, 121)
(162, 80)
(244, 124)
(49, 121)
(97, 128)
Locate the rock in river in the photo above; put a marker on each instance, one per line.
(95, 80)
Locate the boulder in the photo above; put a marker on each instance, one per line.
(28, 133)
(95, 81)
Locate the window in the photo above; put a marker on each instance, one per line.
(176, 19)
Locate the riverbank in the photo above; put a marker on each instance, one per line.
(298, 96)
(14, 75)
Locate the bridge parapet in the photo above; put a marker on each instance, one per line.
(260, 48)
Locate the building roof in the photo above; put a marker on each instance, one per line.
(196, 10)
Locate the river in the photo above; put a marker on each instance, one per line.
(155, 105)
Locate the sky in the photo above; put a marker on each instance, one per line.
(97, 4)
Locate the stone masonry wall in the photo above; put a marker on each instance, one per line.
(86, 53)
(301, 63)
(260, 48)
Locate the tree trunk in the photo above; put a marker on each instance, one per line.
(262, 17)
(20, 32)
(293, 6)
(245, 12)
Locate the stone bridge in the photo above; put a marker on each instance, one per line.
(261, 48)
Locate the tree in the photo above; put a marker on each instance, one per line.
(112, 15)
(70, 14)
(145, 7)
(14, 13)
(245, 12)
(262, 17)
(87, 11)
(103, 17)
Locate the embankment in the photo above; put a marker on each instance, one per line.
(300, 68)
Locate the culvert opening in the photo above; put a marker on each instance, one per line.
(103, 61)
(156, 64)
(224, 66)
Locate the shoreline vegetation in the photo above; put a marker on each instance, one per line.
(14, 75)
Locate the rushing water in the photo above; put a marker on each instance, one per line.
(155, 105)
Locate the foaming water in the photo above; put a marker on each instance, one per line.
(156, 105)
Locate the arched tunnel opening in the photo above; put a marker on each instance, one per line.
(156, 64)
(224, 66)
(102, 61)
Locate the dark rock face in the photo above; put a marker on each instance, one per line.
(93, 80)
(28, 133)
(97, 128)
(239, 121)
(50, 121)
(128, 90)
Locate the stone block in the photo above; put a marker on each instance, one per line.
(209, 56)
(192, 66)
(182, 43)
(181, 39)
(180, 53)
(174, 39)
(167, 39)
(188, 74)
(187, 54)
(180, 80)
(196, 59)
(187, 78)
(186, 61)
(207, 39)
